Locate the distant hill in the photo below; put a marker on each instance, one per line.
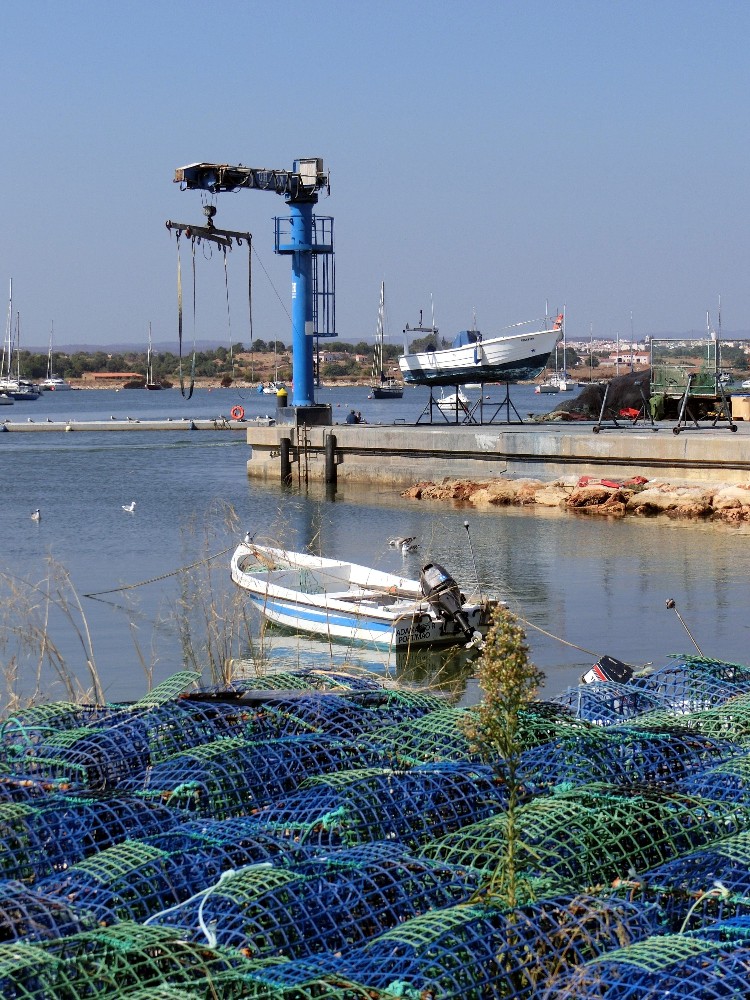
(132, 348)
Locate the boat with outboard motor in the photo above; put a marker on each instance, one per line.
(344, 601)
(474, 358)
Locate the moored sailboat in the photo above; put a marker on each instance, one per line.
(53, 383)
(382, 386)
(11, 384)
(151, 382)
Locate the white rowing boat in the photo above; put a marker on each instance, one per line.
(344, 601)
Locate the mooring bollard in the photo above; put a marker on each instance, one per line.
(331, 459)
(285, 447)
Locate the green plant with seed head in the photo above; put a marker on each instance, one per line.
(509, 681)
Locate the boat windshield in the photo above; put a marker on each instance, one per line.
(467, 337)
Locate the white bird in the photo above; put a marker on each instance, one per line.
(405, 544)
(129, 507)
(36, 515)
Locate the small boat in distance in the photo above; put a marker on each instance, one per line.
(344, 601)
(151, 382)
(383, 386)
(556, 382)
(454, 401)
(474, 358)
(53, 383)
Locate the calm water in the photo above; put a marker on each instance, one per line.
(599, 585)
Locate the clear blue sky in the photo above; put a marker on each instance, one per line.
(495, 155)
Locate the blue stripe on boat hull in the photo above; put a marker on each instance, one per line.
(356, 628)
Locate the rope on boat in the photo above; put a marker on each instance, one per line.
(164, 576)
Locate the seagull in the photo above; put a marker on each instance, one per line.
(129, 507)
(405, 544)
(36, 515)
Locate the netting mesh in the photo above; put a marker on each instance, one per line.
(314, 837)
(694, 684)
(325, 905)
(438, 736)
(410, 807)
(593, 834)
(622, 757)
(234, 777)
(687, 968)
(39, 841)
(118, 962)
(470, 952)
(31, 915)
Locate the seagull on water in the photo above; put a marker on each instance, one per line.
(405, 544)
(36, 515)
(129, 507)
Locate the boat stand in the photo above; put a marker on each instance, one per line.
(458, 414)
(506, 403)
(643, 413)
(475, 412)
(685, 413)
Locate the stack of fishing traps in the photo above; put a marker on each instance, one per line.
(325, 838)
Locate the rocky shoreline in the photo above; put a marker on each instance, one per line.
(639, 497)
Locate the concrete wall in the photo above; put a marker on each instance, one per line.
(402, 455)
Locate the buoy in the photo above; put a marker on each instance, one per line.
(238, 413)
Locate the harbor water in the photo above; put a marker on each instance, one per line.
(586, 586)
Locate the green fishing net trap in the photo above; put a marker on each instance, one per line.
(319, 837)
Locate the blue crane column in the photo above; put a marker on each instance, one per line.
(300, 188)
(303, 369)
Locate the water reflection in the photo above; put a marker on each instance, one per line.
(446, 671)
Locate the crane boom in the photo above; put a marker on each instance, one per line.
(302, 183)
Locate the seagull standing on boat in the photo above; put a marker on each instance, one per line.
(129, 507)
(36, 515)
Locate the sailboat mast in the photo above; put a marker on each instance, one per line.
(49, 352)
(7, 343)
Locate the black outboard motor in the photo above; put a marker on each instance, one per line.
(441, 590)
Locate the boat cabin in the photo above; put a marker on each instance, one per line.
(464, 337)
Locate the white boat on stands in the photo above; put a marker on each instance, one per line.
(344, 601)
(475, 358)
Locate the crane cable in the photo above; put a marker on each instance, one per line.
(179, 320)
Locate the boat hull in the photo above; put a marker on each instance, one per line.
(387, 392)
(500, 359)
(345, 602)
(417, 630)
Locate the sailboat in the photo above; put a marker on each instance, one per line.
(383, 386)
(151, 382)
(275, 386)
(12, 384)
(53, 383)
(558, 380)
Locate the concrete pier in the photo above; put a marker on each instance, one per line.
(400, 455)
(127, 424)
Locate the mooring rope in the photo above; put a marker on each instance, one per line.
(551, 635)
(164, 576)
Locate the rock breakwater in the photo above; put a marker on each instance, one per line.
(637, 497)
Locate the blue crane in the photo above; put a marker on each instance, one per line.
(303, 236)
